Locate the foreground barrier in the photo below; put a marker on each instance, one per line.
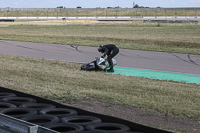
(12, 125)
(52, 117)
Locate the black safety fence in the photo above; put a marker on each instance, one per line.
(62, 118)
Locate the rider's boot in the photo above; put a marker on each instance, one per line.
(111, 66)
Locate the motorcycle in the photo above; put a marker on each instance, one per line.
(99, 64)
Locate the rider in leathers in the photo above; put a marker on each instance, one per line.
(110, 50)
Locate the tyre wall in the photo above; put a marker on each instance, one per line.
(64, 118)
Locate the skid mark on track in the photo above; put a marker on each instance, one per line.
(30, 48)
(193, 62)
(80, 51)
(190, 60)
(76, 48)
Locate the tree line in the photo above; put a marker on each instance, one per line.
(134, 6)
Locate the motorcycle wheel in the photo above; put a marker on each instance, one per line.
(88, 67)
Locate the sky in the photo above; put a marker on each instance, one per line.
(97, 3)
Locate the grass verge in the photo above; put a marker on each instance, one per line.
(65, 82)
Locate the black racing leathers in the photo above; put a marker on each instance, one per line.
(111, 51)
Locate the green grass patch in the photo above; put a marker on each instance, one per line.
(65, 82)
(181, 38)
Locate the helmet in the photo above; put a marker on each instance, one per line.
(100, 48)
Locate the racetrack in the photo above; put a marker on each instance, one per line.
(160, 61)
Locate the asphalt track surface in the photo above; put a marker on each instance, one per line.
(159, 61)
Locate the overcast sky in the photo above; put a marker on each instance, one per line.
(96, 3)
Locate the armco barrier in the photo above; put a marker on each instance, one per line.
(110, 18)
(13, 125)
(106, 119)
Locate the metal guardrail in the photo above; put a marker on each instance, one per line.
(10, 124)
(106, 18)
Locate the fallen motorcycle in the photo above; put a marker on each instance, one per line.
(99, 64)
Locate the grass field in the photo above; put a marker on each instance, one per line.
(181, 38)
(65, 82)
(97, 12)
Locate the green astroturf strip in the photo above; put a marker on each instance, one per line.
(188, 78)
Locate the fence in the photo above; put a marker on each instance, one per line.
(97, 12)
